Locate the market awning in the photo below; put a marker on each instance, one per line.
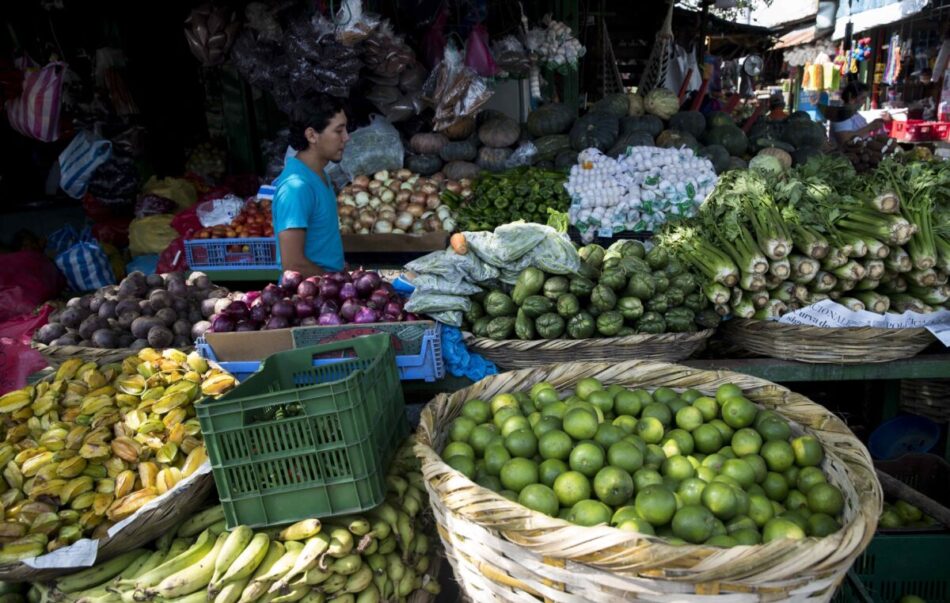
(796, 37)
(868, 14)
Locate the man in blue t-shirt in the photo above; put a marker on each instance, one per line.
(304, 207)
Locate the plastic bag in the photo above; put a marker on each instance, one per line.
(186, 221)
(172, 258)
(556, 255)
(524, 155)
(151, 234)
(151, 204)
(114, 231)
(353, 25)
(477, 54)
(453, 266)
(17, 362)
(22, 327)
(433, 41)
(431, 283)
(219, 211)
(426, 303)
(35, 113)
(86, 266)
(179, 190)
(79, 161)
(374, 148)
(511, 57)
(27, 279)
(507, 243)
(453, 318)
(116, 179)
(459, 361)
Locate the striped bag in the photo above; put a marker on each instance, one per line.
(35, 113)
(85, 265)
(79, 161)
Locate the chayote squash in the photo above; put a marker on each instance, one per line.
(630, 307)
(593, 254)
(475, 312)
(609, 323)
(499, 304)
(536, 305)
(695, 301)
(674, 268)
(708, 318)
(581, 326)
(686, 282)
(632, 265)
(675, 297)
(657, 258)
(581, 287)
(480, 326)
(662, 281)
(642, 286)
(660, 303)
(524, 326)
(594, 311)
(603, 298)
(529, 282)
(587, 270)
(555, 286)
(615, 278)
(501, 327)
(568, 305)
(651, 322)
(549, 326)
(680, 320)
(626, 331)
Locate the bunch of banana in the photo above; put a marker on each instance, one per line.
(383, 555)
(91, 446)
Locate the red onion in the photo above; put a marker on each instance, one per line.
(339, 277)
(307, 289)
(221, 323)
(329, 307)
(304, 308)
(329, 319)
(378, 300)
(329, 289)
(393, 308)
(283, 309)
(310, 321)
(367, 283)
(291, 279)
(348, 291)
(349, 309)
(238, 311)
(276, 322)
(251, 296)
(390, 318)
(271, 295)
(259, 313)
(366, 315)
(411, 317)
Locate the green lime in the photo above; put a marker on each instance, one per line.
(740, 471)
(796, 500)
(650, 430)
(890, 519)
(481, 437)
(907, 512)
(545, 396)
(627, 423)
(724, 430)
(808, 452)
(540, 498)
(719, 528)
(496, 455)
(658, 411)
(587, 458)
(691, 395)
(825, 498)
(571, 487)
(500, 401)
(693, 523)
(759, 468)
(740, 522)
(545, 425)
(809, 477)
(533, 419)
(513, 424)
(463, 464)
(555, 445)
(625, 455)
(746, 537)
(714, 462)
(746, 441)
(623, 514)
(799, 518)
(608, 434)
(585, 387)
(510, 495)
(727, 391)
(677, 468)
(549, 469)
(654, 456)
(458, 449)
(522, 443)
(590, 513)
(778, 529)
(635, 524)
(644, 478)
(757, 489)
(707, 406)
(678, 405)
(720, 498)
(774, 428)
(504, 414)
(690, 491)
(656, 504)
(461, 429)
(821, 525)
(602, 400)
(518, 473)
(706, 474)
(628, 403)
(728, 480)
(554, 409)
(664, 395)
(778, 455)
(489, 481)
(613, 485)
(738, 412)
(689, 418)
(684, 442)
(760, 509)
(638, 442)
(477, 410)
(614, 390)
(722, 541)
(742, 502)
(580, 424)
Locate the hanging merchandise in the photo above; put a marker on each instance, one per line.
(86, 265)
(211, 30)
(454, 90)
(477, 54)
(511, 57)
(352, 24)
(396, 76)
(658, 64)
(35, 113)
(79, 161)
(831, 76)
(892, 67)
(434, 41)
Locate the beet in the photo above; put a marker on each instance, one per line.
(329, 289)
(259, 312)
(304, 308)
(329, 307)
(310, 321)
(291, 279)
(48, 332)
(238, 311)
(366, 315)
(105, 338)
(160, 337)
(199, 329)
(167, 316)
(270, 295)
(349, 309)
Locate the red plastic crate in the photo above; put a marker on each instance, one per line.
(913, 130)
(942, 130)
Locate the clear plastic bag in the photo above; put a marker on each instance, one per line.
(453, 266)
(508, 243)
(372, 149)
(219, 211)
(431, 283)
(511, 56)
(422, 302)
(352, 24)
(524, 155)
(453, 318)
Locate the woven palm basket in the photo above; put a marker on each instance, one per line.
(57, 354)
(502, 551)
(820, 345)
(515, 353)
(927, 397)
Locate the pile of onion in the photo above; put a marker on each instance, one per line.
(398, 202)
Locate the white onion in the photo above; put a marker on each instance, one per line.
(404, 220)
(383, 227)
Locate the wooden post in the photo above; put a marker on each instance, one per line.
(703, 18)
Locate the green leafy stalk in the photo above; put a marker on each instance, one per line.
(824, 282)
(867, 284)
(874, 269)
(773, 308)
(804, 268)
(934, 296)
(877, 249)
(759, 299)
(898, 260)
(782, 269)
(855, 305)
(902, 302)
(874, 302)
(922, 278)
(744, 309)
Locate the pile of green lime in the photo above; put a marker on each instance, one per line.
(902, 514)
(680, 465)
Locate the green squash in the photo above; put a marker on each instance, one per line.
(549, 326)
(692, 122)
(581, 326)
(530, 281)
(499, 304)
(597, 130)
(555, 286)
(524, 327)
(536, 305)
(631, 308)
(603, 298)
(617, 105)
(581, 287)
(568, 305)
(549, 119)
(501, 328)
(609, 323)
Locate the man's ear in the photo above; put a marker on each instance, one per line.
(311, 135)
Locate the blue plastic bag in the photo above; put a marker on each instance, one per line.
(86, 265)
(459, 361)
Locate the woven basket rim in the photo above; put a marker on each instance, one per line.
(825, 331)
(527, 529)
(592, 342)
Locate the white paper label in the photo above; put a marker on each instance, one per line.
(829, 313)
(605, 232)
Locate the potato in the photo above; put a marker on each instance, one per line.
(128, 289)
(48, 332)
(200, 280)
(167, 316)
(154, 281)
(182, 341)
(95, 303)
(199, 329)
(142, 325)
(218, 292)
(105, 338)
(145, 308)
(159, 299)
(73, 316)
(126, 339)
(181, 328)
(91, 325)
(126, 319)
(160, 337)
(66, 340)
(138, 344)
(107, 309)
(221, 304)
(194, 316)
(126, 305)
(177, 288)
(76, 302)
(207, 307)
(181, 305)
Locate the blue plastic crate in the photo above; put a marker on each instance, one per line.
(223, 254)
(427, 365)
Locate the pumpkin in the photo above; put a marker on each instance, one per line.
(428, 143)
(613, 104)
(633, 139)
(731, 137)
(661, 102)
(691, 122)
(565, 159)
(492, 159)
(499, 132)
(552, 118)
(597, 130)
(676, 139)
(651, 124)
(459, 150)
(717, 155)
(461, 129)
(456, 170)
(549, 146)
(635, 105)
(426, 165)
(718, 118)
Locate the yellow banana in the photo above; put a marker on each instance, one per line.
(235, 544)
(193, 578)
(136, 566)
(195, 553)
(360, 580)
(301, 530)
(308, 558)
(348, 565)
(201, 521)
(256, 588)
(370, 594)
(316, 576)
(231, 592)
(100, 573)
(252, 556)
(153, 560)
(341, 543)
(335, 584)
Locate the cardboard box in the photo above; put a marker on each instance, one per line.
(430, 241)
(257, 345)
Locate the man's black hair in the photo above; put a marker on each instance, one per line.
(312, 112)
(852, 91)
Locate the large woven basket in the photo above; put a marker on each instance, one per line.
(501, 551)
(57, 354)
(515, 353)
(927, 397)
(820, 345)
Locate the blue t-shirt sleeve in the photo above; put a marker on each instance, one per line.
(293, 205)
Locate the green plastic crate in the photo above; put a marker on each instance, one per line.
(895, 565)
(296, 441)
